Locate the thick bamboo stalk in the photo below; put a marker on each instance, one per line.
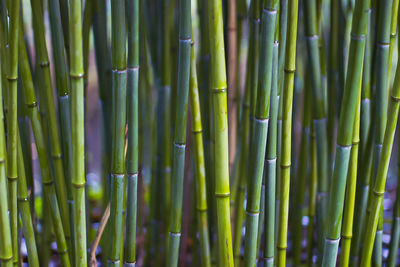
(180, 132)
(344, 139)
(25, 210)
(365, 150)
(12, 124)
(118, 130)
(318, 115)
(201, 191)
(220, 125)
(287, 95)
(78, 179)
(379, 185)
(62, 85)
(54, 141)
(133, 119)
(49, 191)
(259, 139)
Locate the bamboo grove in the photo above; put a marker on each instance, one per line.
(199, 133)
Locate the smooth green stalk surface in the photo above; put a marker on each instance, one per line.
(287, 95)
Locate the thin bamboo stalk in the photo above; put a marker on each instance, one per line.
(12, 124)
(25, 210)
(6, 255)
(395, 231)
(118, 131)
(133, 118)
(302, 174)
(393, 34)
(379, 185)
(201, 191)
(56, 155)
(287, 94)
(78, 179)
(347, 230)
(220, 125)
(344, 139)
(259, 139)
(49, 191)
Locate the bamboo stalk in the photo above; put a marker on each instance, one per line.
(180, 132)
(287, 95)
(6, 255)
(118, 131)
(347, 230)
(302, 174)
(49, 191)
(78, 138)
(201, 191)
(56, 155)
(220, 124)
(25, 210)
(133, 117)
(344, 139)
(379, 185)
(12, 125)
(259, 138)
(365, 150)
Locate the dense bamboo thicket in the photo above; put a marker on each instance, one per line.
(199, 133)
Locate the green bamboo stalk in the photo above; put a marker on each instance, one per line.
(319, 116)
(302, 174)
(220, 125)
(49, 191)
(132, 15)
(62, 85)
(344, 139)
(6, 255)
(287, 95)
(56, 154)
(201, 191)
(259, 139)
(283, 20)
(379, 185)
(365, 150)
(381, 104)
(393, 34)
(12, 124)
(243, 167)
(118, 131)
(313, 197)
(103, 63)
(270, 163)
(25, 210)
(180, 132)
(395, 231)
(64, 12)
(78, 180)
(347, 230)
(333, 77)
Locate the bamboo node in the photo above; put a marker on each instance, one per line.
(312, 37)
(23, 199)
(78, 185)
(48, 182)
(290, 71)
(183, 146)
(222, 195)
(252, 213)
(45, 64)
(271, 160)
(378, 194)
(135, 68)
(113, 261)
(395, 98)
(285, 166)
(12, 178)
(177, 234)
(132, 175)
(383, 44)
(218, 90)
(185, 40)
(130, 264)
(62, 252)
(332, 241)
(270, 10)
(260, 120)
(57, 156)
(197, 131)
(76, 76)
(118, 71)
(12, 79)
(355, 37)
